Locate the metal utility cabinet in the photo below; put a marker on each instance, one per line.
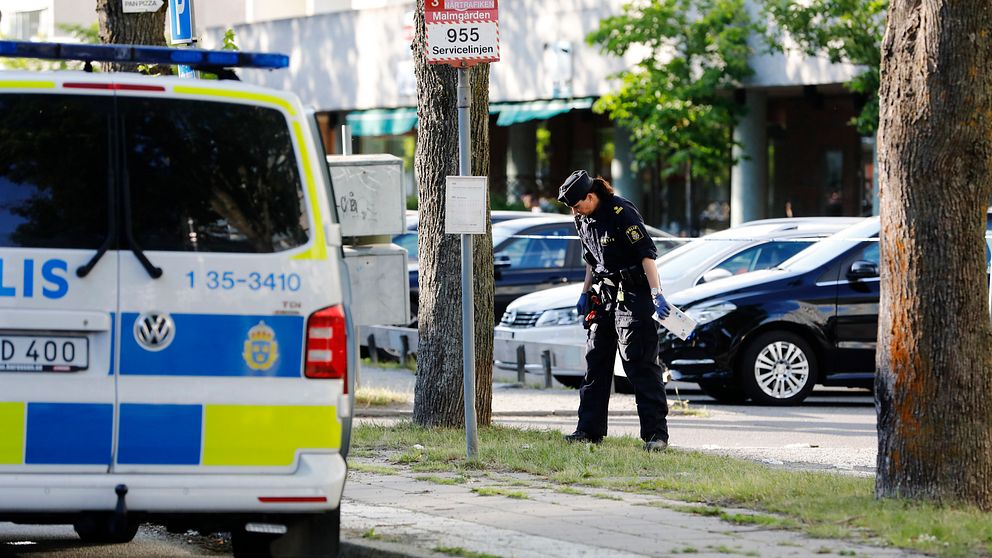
(368, 192)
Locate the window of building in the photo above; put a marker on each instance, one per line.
(26, 24)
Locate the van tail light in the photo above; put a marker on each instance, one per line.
(327, 345)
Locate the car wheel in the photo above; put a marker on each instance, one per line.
(569, 381)
(778, 368)
(732, 395)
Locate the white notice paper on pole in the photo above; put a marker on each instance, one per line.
(465, 205)
(677, 322)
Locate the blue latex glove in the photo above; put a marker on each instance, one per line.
(582, 306)
(661, 306)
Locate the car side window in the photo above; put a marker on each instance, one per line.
(774, 253)
(540, 249)
(741, 262)
(211, 177)
(54, 170)
(871, 253)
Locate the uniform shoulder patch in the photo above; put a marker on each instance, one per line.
(617, 209)
(634, 233)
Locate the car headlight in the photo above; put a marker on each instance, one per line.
(558, 317)
(709, 312)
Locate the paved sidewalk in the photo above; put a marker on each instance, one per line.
(412, 514)
(398, 515)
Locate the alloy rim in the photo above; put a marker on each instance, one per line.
(781, 370)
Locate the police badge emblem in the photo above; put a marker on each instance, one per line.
(261, 349)
(634, 233)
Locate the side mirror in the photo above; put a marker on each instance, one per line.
(714, 274)
(862, 269)
(501, 261)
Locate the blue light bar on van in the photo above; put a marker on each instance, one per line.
(138, 54)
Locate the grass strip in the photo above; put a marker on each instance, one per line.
(821, 504)
(379, 397)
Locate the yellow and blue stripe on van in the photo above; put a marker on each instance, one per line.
(219, 345)
(152, 434)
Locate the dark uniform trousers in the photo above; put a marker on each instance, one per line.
(632, 329)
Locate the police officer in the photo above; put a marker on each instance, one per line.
(621, 294)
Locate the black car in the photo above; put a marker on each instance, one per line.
(533, 254)
(772, 335)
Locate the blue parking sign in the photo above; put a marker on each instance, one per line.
(181, 21)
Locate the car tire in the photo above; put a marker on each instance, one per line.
(729, 394)
(778, 368)
(569, 381)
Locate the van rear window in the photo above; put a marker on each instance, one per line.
(211, 177)
(54, 170)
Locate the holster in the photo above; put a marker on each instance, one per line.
(602, 299)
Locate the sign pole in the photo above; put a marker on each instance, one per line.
(181, 26)
(468, 291)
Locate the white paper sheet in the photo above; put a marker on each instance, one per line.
(677, 322)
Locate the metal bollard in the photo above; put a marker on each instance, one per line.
(521, 364)
(373, 350)
(546, 362)
(404, 349)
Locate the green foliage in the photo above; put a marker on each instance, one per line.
(843, 31)
(89, 34)
(676, 100)
(229, 40)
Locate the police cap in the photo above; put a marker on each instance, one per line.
(575, 188)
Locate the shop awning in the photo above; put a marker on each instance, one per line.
(514, 113)
(394, 122)
(382, 122)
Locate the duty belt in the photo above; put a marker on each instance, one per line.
(630, 277)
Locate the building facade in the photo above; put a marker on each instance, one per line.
(352, 61)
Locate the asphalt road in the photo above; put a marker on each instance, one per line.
(833, 430)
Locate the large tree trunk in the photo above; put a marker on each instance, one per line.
(439, 396)
(117, 27)
(934, 382)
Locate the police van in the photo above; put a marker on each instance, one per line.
(174, 322)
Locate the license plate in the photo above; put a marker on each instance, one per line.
(503, 334)
(29, 353)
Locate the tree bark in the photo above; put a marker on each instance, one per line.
(933, 386)
(439, 395)
(117, 27)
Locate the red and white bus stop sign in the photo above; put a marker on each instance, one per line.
(462, 33)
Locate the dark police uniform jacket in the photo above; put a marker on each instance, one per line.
(614, 237)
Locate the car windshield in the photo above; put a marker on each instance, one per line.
(832, 246)
(687, 258)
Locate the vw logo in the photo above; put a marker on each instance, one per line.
(154, 331)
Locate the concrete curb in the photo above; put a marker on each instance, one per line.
(363, 548)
